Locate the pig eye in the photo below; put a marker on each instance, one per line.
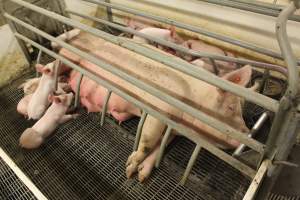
(231, 108)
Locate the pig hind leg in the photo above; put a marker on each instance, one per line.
(151, 134)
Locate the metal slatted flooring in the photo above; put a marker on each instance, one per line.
(83, 160)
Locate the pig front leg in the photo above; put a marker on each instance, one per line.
(146, 167)
(151, 134)
(66, 118)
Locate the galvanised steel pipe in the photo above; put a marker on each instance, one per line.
(222, 127)
(174, 63)
(183, 130)
(191, 28)
(184, 49)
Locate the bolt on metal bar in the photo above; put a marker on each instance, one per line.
(182, 48)
(163, 146)
(252, 133)
(38, 61)
(174, 63)
(105, 105)
(255, 9)
(77, 92)
(139, 130)
(221, 126)
(190, 164)
(183, 130)
(190, 28)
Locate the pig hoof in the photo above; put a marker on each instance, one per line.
(130, 170)
(144, 173)
(130, 158)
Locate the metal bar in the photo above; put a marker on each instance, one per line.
(20, 174)
(255, 9)
(215, 67)
(182, 48)
(190, 164)
(139, 130)
(109, 12)
(222, 127)
(104, 108)
(252, 133)
(287, 52)
(183, 130)
(56, 71)
(250, 194)
(191, 28)
(176, 64)
(163, 146)
(77, 92)
(38, 61)
(272, 6)
(286, 123)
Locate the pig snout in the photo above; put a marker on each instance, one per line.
(30, 139)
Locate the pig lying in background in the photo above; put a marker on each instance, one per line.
(55, 115)
(197, 45)
(39, 101)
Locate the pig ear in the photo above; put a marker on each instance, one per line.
(46, 71)
(241, 76)
(57, 100)
(50, 97)
(39, 68)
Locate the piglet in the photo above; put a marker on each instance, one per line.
(39, 101)
(55, 115)
(166, 34)
(66, 37)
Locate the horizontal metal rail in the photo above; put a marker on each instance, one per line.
(183, 130)
(174, 63)
(184, 49)
(222, 127)
(251, 8)
(271, 6)
(191, 28)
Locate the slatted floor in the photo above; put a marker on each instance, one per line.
(83, 160)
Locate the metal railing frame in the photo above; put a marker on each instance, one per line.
(286, 118)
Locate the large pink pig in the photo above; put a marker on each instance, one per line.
(221, 104)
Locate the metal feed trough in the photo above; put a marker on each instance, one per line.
(272, 155)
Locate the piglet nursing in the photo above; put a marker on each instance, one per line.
(55, 115)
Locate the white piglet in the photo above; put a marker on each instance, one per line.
(39, 100)
(55, 115)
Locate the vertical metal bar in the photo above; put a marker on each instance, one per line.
(215, 67)
(38, 61)
(77, 92)
(252, 132)
(190, 164)
(283, 131)
(139, 130)
(21, 43)
(104, 108)
(109, 12)
(163, 146)
(56, 71)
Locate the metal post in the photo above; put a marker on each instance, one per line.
(139, 131)
(105, 105)
(77, 92)
(38, 61)
(190, 164)
(283, 131)
(163, 146)
(56, 73)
